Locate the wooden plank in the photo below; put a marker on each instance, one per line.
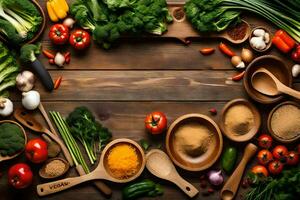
(124, 119)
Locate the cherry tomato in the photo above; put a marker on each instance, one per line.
(265, 141)
(260, 170)
(156, 122)
(80, 39)
(36, 150)
(280, 152)
(275, 167)
(59, 34)
(264, 157)
(20, 176)
(292, 158)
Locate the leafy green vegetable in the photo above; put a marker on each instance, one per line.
(11, 139)
(217, 15)
(29, 52)
(88, 131)
(109, 19)
(144, 144)
(22, 20)
(8, 69)
(285, 187)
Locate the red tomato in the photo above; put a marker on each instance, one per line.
(275, 167)
(265, 141)
(36, 150)
(59, 34)
(156, 122)
(292, 158)
(20, 176)
(280, 152)
(264, 157)
(260, 170)
(80, 39)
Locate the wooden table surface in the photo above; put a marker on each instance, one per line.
(125, 83)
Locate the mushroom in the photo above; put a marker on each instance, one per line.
(6, 107)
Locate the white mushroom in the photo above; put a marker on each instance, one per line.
(6, 107)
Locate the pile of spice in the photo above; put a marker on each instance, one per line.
(238, 32)
(123, 161)
(55, 168)
(239, 119)
(285, 121)
(192, 139)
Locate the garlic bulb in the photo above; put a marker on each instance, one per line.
(31, 99)
(25, 81)
(6, 107)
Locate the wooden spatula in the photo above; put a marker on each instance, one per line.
(30, 122)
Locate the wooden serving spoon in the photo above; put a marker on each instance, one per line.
(30, 122)
(3, 158)
(266, 83)
(231, 186)
(101, 172)
(160, 165)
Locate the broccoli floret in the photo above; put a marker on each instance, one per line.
(23, 17)
(11, 139)
(28, 52)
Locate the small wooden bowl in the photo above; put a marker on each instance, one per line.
(25, 137)
(42, 26)
(280, 139)
(44, 175)
(139, 151)
(274, 65)
(268, 45)
(195, 163)
(252, 132)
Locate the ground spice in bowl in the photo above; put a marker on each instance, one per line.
(55, 168)
(123, 161)
(239, 119)
(238, 32)
(285, 121)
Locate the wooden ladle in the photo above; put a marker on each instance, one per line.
(266, 83)
(30, 122)
(101, 172)
(231, 186)
(160, 165)
(3, 158)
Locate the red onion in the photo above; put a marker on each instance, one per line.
(215, 177)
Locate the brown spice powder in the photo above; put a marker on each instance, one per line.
(285, 121)
(55, 168)
(238, 32)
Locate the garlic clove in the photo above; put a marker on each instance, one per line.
(241, 65)
(296, 70)
(267, 38)
(259, 32)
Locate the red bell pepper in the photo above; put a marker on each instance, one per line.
(283, 41)
(80, 39)
(59, 34)
(286, 38)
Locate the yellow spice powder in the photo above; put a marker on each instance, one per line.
(123, 161)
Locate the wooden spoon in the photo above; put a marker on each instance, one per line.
(101, 172)
(231, 186)
(160, 165)
(266, 83)
(46, 117)
(42, 171)
(3, 158)
(30, 122)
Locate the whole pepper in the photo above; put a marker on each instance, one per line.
(59, 34)
(80, 39)
(296, 54)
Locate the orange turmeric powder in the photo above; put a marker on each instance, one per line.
(123, 161)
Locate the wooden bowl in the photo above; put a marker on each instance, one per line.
(42, 26)
(268, 45)
(278, 138)
(274, 65)
(252, 132)
(139, 151)
(25, 137)
(203, 161)
(44, 175)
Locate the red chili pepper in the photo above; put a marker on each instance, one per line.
(51, 61)
(280, 44)
(57, 83)
(207, 51)
(238, 77)
(48, 54)
(68, 59)
(226, 50)
(68, 54)
(286, 38)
